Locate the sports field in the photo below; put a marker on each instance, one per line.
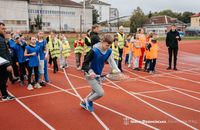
(167, 100)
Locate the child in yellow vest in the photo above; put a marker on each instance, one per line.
(137, 52)
(64, 51)
(115, 50)
(54, 48)
(78, 50)
(153, 55)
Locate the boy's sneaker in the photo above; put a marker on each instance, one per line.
(30, 87)
(37, 85)
(129, 65)
(83, 105)
(7, 98)
(89, 105)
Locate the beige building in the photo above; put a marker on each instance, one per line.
(195, 20)
(14, 13)
(57, 15)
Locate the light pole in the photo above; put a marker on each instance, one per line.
(83, 15)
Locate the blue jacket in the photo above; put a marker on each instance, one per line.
(19, 52)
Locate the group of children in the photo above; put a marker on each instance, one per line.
(32, 57)
(133, 51)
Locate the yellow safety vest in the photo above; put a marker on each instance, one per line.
(54, 48)
(65, 49)
(115, 51)
(87, 48)
(78, 49)
(120, 40)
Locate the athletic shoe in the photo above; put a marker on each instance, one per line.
(150, 72)
(22, 83)
(30, 87)
(79, 68)
(7, 98)
(175, 69)
(83, 105)
(37, 85)
(42, 84)
(129, 65)
(169, 68)
(89, 105)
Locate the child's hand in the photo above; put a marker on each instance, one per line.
(33, 54)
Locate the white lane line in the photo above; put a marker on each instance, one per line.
(167, 102)
(34, 114)
(147, 103)
(79, 96)
(154, 91)
(169, 87)
(109, 109)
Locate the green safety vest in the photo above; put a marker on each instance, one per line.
(120, 40)
(115, 51)
(87, 48)
(54, 48)
(66, 49)
(78, 49)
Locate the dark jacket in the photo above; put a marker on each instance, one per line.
(4, 52)
(171, 40)
(94, 38)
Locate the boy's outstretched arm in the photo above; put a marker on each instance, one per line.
(86, 63)
(112, 63)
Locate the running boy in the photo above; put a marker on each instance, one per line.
(93, 66)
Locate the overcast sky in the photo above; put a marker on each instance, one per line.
(126, 7)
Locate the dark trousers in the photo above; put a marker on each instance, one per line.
(50, 59)
(147, 64)
(3, 81)
(120, 59)
(14, 66)
(172, 51)
(30, 74)
(126, 60)
(55, 64)
(78, 59)
(152, 64)
(22, 67)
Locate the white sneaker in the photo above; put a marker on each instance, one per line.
(150, 72)
(30, 87)
(37, 85)
(129, 65)
(79, 68)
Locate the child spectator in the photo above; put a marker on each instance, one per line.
(32, 52)
(78, 50)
